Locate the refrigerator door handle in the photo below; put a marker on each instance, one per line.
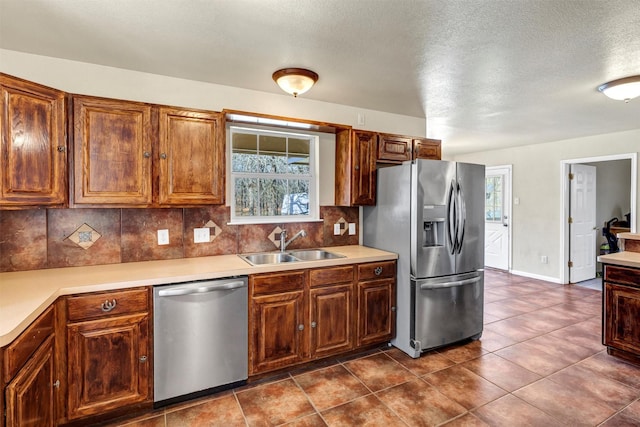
(462, 217)
(451, 218)
(427, 286)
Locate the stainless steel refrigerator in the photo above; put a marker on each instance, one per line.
(431, 213)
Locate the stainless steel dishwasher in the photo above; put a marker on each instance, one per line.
(200, 338)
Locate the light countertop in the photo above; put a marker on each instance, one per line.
(628, 236)
(25, 295)
(624, 258)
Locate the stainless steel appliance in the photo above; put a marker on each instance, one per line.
(431, 213)
(200, 338)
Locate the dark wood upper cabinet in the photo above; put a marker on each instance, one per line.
(356, 153)
(33, 148)
(112, 152)
(424, 148)
(394, 148)
(192, 165)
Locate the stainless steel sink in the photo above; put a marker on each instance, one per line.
(314, 255)
(268, 258)
(291, 256)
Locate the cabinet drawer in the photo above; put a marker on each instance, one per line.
(331, 275)
(627, 276)
(94, 305)
(377, 270)
(18, 352)
(262, 284)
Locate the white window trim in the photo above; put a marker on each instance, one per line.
(314, 184)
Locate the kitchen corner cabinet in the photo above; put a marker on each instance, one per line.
(304, 315)
(191, 157)
(355, 180)
(33, 147)
(424, 148)
(28, 369)
(108, 351)
(376, 302)
(621, 321)
(132, 154)
(393, 148)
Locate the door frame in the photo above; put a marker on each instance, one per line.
(565, 166)
(508, 202)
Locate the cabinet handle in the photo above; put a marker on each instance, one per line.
(147, 154)
(163, 155)
(377, 271)
(107, 306)
(301, 327)
(313, 324)
(61, 148)
(143, 359)
(57, 384)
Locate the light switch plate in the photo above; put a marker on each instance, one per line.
(163, 237)
(201, 235)
(352, 228)
(336, 229)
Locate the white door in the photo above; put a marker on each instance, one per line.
(582, 225)
(497, 217)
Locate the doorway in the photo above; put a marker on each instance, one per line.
(627, 186)
(498, 220)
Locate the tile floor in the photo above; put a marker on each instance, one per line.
(540, 362)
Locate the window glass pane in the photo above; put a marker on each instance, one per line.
(298, 161)
(272, 192)
(244, 152)
(246, 196)
(296, 201)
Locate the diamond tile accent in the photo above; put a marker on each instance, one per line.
(275, 236)
(215, 230)
(343, 225)
(84, 236)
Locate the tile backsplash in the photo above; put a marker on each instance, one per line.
(50, 238)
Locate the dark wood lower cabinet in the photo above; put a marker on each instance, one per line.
(30, 395)
(376, 318)
(330, 320)
(621, 321)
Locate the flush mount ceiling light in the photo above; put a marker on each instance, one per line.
(295, 80)
(622, 89)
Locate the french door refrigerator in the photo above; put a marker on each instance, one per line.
(431, 213)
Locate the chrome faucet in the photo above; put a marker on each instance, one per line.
(283, 238)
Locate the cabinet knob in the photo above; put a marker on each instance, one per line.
(163, 155)
(301, 327)
(313, 324)
(377, 271)
(143, 359)
(147, 154)
(61, 148)
(56, 384)
(107, 306)
(393, 308)
(356, 167)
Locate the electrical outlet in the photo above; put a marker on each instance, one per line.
(201, 235)
(544, 259)
(163, 237)
(352, 229)
(361, 119)
(336, 229)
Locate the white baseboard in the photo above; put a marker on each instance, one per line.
(537, 276)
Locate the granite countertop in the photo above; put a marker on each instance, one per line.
(25, 295)
(624, 258)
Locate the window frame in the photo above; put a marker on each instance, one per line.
(314, 179)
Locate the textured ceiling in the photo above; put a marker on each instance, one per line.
(485, 73)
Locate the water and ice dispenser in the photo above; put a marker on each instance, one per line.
(434, 221)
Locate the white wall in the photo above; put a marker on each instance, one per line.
(536, 182)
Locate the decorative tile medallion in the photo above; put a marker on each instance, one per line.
(214, 230)
(84, 236)
(343, 225)
(275, 236)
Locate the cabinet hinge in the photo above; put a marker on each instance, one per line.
(570, 264)
(571, 176)
(570, 220)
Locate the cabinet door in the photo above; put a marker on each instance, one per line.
(331, 316)
(376, 317)
(424, 148)
(112, 152)
(622, 317)
(32, 144)
(107, 364)
(29, 397)
(393, 148)
(191, 160)
(363, 183)
(277, 330)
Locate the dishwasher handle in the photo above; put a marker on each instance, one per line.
(229, 286)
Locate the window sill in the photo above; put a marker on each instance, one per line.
(273, 221)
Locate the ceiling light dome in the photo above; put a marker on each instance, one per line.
(295, 80)
(622, 89)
